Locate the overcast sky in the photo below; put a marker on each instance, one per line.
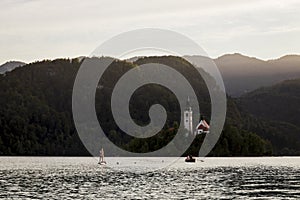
(47, 29)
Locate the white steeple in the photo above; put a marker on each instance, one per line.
(188, 117)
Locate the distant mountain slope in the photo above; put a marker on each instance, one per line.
(242, 74)
(279, 107)
(9, 66)
(280, 102)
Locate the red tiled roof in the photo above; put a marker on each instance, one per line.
(202, 125)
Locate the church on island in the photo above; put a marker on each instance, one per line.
(202, 126)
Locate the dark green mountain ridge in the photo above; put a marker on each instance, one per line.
(36, 117)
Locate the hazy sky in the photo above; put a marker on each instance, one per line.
(40, 29)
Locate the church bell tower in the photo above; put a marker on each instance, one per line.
(188, 117)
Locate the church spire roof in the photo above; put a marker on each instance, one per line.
(188, 104)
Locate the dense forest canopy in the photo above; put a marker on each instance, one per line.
(36, 113)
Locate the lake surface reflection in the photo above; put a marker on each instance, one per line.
(125, 178)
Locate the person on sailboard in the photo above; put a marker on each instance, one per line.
(101, 157)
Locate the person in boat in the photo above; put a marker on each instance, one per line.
(189, 157)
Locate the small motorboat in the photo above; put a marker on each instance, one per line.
(190, 158)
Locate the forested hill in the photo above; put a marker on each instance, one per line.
(276, 110)
(36, 116)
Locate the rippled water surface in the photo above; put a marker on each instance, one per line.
(125, 178)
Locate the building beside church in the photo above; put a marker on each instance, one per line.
(202, 127)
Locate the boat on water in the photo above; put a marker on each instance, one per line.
(101, 158)
(190, 158)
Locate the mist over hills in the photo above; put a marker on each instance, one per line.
(11, 65)
(242, 74)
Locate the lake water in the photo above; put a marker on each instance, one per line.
(126, 178)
